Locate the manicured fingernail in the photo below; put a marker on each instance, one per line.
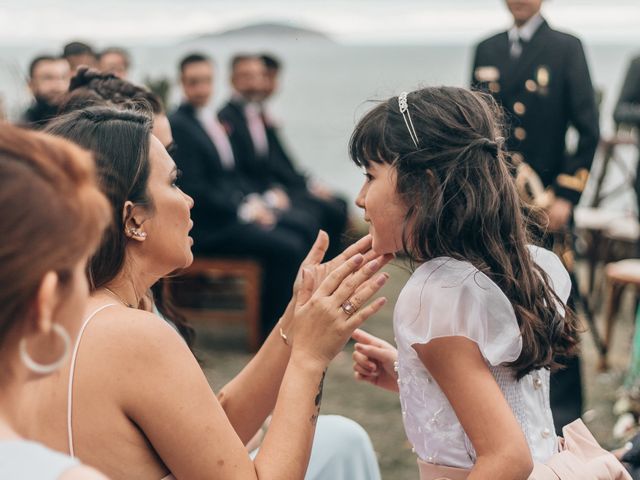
(374, 265)
(357, 258)
(382, 301)
(382, 279)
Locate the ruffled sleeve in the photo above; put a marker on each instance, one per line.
(448, 298)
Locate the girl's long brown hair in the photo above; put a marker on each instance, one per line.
(463, 203)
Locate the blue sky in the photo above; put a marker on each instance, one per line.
(349, 21)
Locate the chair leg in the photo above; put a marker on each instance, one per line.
(614, 293)
(592, 260)
(252, 302)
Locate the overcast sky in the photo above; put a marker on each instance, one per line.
(349, 21)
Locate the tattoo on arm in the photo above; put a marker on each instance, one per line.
(318, 400)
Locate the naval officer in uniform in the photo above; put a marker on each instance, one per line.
(540, 77)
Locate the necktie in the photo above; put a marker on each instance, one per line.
(257, 130)
(516, 47)
(219, 138)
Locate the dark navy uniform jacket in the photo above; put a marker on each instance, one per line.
(544, 91)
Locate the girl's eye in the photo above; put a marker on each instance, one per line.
(368, 176)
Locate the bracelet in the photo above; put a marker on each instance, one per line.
(283, 336)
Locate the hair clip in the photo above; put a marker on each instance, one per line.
(403, 104)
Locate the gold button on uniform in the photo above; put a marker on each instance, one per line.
(520, 133)
(546, 433)
(519, 108)
(531, 85)
(537, 383)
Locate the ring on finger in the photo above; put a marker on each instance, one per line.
(349, 307)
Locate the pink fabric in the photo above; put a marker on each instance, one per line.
(256, 129)
(219, 137)
(580, 458)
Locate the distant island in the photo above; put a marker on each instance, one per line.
(272, 30)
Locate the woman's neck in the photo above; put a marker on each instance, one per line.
(12, 382)
(128, 288)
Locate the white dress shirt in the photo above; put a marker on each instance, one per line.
(218, 136)
(523, 34)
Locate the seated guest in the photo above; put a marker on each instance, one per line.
(304, 190)
(79, 54)
(230, 215)
(140, 406)
(45, 243)
(48, 82)
(262, 155)
(114, 60)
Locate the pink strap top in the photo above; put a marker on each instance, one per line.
(74, 357)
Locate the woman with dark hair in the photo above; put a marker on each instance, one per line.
(89, 87)
(139, 405)
(483, 315)
(46, 240)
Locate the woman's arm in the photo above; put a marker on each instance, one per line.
(458, 367)
(163, 391)
(262, 376)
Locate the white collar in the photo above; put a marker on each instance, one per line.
(205, 112)
(526, 31)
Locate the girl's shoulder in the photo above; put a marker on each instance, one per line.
(445, 277)
(449, 297)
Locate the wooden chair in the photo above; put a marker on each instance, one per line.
(592, 220)
(618, 276)
(246, 270)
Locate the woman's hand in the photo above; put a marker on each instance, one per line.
(322, 324)
(317, 272)
(374, 361)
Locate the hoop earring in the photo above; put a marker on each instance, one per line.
(46, 369)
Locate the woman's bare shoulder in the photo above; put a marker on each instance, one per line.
(129, 336)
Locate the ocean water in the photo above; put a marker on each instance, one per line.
(326, 87)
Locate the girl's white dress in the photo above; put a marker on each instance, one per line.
(446, 297)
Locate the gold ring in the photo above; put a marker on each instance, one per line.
(348, 308)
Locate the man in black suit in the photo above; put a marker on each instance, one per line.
(261, 153)
(49, 78)
(541, 79)
(230, 216)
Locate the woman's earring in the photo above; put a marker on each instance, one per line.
(40, 368)
(135, 232)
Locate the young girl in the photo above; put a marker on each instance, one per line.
(481, 318)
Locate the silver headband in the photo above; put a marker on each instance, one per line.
(406, 116)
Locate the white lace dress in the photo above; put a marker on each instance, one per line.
(447, 297)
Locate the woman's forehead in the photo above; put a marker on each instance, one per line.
(159, 156)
